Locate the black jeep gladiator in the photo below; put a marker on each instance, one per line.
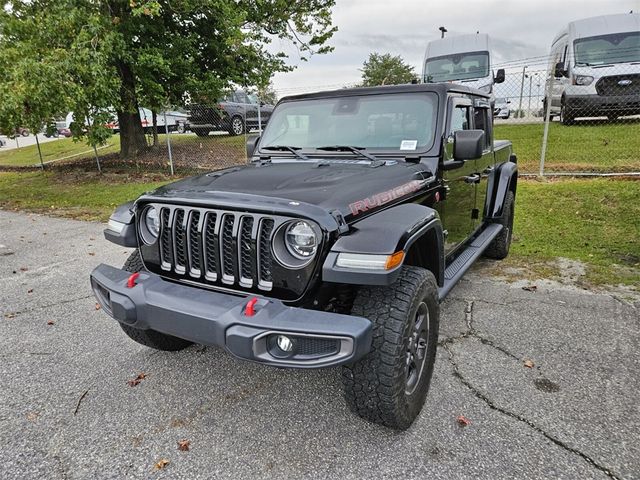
(357, 213)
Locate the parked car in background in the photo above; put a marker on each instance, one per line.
(595, 68)
(176, 121)
(236, 114)
(501, 108)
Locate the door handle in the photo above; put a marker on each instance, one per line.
(475, 178)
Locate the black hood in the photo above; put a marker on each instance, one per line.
(348, 186)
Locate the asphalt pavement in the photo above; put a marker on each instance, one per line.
(538, 383)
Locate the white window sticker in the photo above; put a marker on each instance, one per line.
(408, 144)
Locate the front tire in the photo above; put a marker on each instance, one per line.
(389, 385)
(499, 247)
(567, 116)
(150, 338)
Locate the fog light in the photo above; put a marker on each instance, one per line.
(284, 343)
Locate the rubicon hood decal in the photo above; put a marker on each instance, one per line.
(379, 199)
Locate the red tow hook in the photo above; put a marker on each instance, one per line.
(249, 309)
(131, 282)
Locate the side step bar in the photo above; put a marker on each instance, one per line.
(463, 262)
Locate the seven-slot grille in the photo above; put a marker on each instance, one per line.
(218, 246)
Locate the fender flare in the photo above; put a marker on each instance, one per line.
(384, 233)
(504, 179)
(121, 229)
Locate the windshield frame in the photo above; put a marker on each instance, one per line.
(430, 149)
(577, 41)
(449, 56)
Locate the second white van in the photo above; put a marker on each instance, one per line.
(595, 68)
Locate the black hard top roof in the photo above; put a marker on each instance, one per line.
(439, 88)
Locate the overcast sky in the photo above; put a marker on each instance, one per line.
(518, 29)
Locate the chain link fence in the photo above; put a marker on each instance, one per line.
(590, 126)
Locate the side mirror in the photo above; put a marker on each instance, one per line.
(252, 143)
(500, 76)
(559, 70)
(468, 144)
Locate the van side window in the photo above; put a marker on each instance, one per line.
(481, 122)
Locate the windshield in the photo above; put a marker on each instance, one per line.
(387, 122)
(460, 66)
(605, 49)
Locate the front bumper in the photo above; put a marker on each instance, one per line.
(597, 105)
(321, 339)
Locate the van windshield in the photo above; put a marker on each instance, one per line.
(400, 121)
(605, 49)
(459, 66)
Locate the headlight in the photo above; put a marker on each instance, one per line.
(301, 240)
(583, 80)
(150, 225)
(295, 243)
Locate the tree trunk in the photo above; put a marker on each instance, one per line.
(132, 141)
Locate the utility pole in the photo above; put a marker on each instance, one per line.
(521, 92)
(442, 31)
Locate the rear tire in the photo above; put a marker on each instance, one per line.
(389, 385)
(150, 338)
(499, 247)
(236, 127)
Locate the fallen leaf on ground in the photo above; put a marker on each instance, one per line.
(530, 288)
(162, 463)
(463, 421)
(92, 254)
(51, 322)
(137, 380)
(32, 416)
(529, 364)
(183, 445)
(23, 269)
(97, 306)
(10, 315)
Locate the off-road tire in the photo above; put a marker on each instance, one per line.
(375, 386)
(499, 247)
(150, 338)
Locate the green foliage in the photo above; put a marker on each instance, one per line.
(385, 69)
(100, 57)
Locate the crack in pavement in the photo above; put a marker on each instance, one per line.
(446, 344)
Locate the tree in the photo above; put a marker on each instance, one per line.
(385, 69)
(100, 58)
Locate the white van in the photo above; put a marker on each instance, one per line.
(595, 68)
(463, 59)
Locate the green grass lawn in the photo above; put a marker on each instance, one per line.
(86, 197)
(54, 150)
(604, 147)
(594, 221)
(66, 147)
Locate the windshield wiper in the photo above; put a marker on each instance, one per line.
(287, 148)
(348, 148)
